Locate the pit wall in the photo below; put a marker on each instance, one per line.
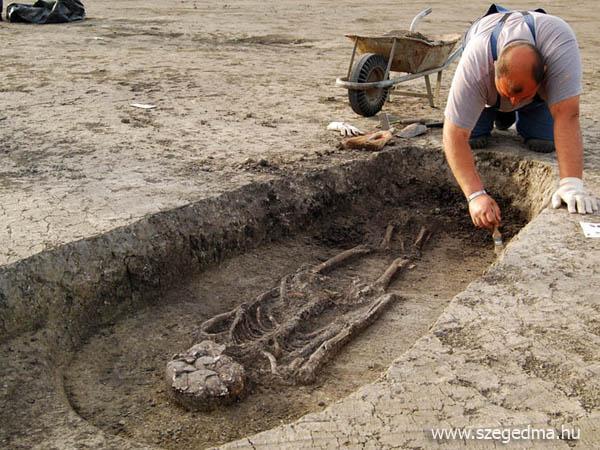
(76, 288)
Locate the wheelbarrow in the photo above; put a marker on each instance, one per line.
(368, 81)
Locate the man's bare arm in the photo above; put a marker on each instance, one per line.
(567, 137)
(569, 153)
(460, 158)
(484, 211)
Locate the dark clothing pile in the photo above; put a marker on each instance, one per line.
(46, 11)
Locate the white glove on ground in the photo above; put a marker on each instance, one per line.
(344, 128)
(570, 190)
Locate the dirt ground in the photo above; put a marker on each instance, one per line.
(234, 83)
(244, 91)
(117, 381)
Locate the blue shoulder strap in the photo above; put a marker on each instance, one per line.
(495, 33)
(494, 9)
(530, 24)
(498, 28)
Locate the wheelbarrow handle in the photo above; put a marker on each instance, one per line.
(418, 17)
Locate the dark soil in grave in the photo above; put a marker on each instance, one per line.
(116, 381)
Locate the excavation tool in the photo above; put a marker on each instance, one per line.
(390, 120)
(417, 55)
(384, 121)
(498, 243)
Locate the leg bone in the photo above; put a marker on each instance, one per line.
(307, 372)
(341, 258)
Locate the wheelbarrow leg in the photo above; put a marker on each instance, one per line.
(429, 92)
(438, 86)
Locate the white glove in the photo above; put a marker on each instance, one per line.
(344, 128)
(570, 190)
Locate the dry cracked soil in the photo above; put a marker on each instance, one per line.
(243, 93)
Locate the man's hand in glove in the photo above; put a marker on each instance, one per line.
(570, 191)
(344, 128)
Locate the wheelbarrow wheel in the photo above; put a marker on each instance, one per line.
(369, 68)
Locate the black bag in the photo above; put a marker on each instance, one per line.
(46, 11)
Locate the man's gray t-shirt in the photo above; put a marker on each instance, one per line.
(473, 86)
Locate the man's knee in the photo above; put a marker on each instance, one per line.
(485, 123)
(536, 123)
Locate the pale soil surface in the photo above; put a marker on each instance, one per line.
(244, 91)
(231, 81)
(117, 380)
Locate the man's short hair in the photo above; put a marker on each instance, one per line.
(502, 66)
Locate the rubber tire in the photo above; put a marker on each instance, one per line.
(369, 68)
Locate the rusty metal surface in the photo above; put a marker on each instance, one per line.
(412, 53)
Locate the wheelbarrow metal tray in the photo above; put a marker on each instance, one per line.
(414, 52)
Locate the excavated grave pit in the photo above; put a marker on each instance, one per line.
(102, 317)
